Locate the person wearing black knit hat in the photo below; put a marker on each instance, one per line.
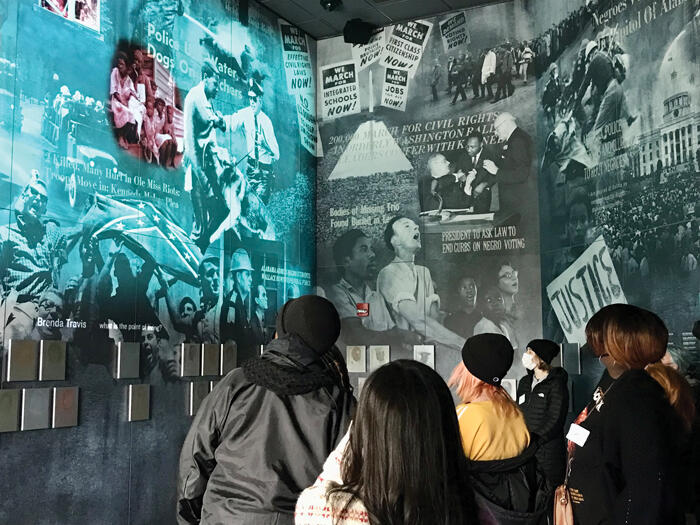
(495, 437)
(543, 397)
(263, 433)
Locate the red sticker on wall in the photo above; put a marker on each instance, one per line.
(362, 309)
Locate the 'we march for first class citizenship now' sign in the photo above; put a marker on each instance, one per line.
(406, 45)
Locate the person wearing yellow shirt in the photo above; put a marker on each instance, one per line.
(509, 487)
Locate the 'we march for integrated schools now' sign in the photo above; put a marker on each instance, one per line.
(340, 91)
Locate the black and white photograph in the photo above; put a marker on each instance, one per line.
(356, 359)
(379, 355)
(425, 354)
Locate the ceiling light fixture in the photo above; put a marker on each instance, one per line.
(331, 5)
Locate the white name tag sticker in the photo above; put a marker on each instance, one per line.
(521, 399)
(578, 434)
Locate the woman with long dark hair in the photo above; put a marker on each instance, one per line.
(402, 461)
(624, 447)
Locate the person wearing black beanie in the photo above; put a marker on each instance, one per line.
(501, 452)
(543, 397)
(264, 431)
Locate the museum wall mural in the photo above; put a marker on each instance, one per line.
(156, 195)
(511, 168)
(427, 185)
(173, 171)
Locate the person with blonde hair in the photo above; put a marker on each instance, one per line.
(508, 486)
(624, 447)
(678, 391)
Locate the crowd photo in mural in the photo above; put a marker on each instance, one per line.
(157, 187)
(620, 153)
(427, 185)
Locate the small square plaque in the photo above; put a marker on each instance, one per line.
(127, 357)
(36, 405)
(52, 361)
(198, 391)
(65, 407)
(22, 360)
(229, 357)
(190, 359)
(139, 406)
(210, 359)
(9, 410)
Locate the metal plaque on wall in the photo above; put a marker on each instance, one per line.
(190, 359)
(126, 360)
(36, 403)
(210, 359)
(198, 390)
(52, 361)
(65, 407)
(229, 357)
(22, 359)
(9, 410)
(139, 406)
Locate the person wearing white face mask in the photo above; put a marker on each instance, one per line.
(543, 397)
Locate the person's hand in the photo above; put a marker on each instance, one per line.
(490, 166)
(161, 280)
(480, 188)
(409, 337)
(221, 123)
(468, 183)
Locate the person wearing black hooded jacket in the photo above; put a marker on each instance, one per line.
(543, 398)
(261, 436)
(509, 487)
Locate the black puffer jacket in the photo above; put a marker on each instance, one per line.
(261, 437)
(545, 408)
(512, 491)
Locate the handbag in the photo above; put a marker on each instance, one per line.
(563, 512)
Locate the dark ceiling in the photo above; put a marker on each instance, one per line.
(319, 23)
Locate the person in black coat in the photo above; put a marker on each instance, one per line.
(514, 167)
(624, 451)
(262, 434)
(471, 162)
(543, 398)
